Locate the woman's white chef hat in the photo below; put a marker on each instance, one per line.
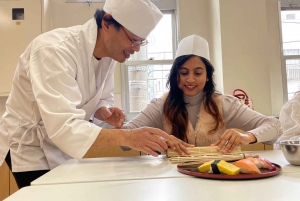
(195, 45)
(138, 16)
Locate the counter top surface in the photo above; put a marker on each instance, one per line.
(132, 168)
(284, 186)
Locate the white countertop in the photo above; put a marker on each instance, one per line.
(110, 169)
(132, 168)
(282, 187)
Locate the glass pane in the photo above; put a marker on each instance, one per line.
(290, 32)
(293, 76)
(145, 83)
(160, 46)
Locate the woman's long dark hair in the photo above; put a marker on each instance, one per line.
(174, 107)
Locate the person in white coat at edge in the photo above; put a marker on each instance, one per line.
(289, 117)
(63, 80)
(195, 112)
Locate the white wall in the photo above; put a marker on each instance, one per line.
(274, 51)
(251, 51)
(244, 45)
(243, 37)
(15, 35)
(245, 50)
(193, 18)
(69, 14)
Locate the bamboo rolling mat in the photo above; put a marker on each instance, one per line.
(186, 161)
(199, 155)
(201, 151)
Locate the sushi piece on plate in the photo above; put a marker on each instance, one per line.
(219, 167)
(205, 167)
(262, 163)
(247, 166)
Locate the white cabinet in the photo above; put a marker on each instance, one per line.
(15, 35)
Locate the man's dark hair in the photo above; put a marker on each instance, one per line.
(99, 16)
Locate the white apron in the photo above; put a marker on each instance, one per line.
(43, 97)
(53, 154)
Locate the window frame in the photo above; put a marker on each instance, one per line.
(286, 57)
(126, 64)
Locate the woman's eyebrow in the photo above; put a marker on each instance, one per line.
(197, 68)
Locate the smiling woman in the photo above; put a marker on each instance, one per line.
(196, 113)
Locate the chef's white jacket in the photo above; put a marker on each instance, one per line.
(290, 120)
(57, 87)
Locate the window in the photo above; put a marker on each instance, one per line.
(290, 16)
(144, 74)
(290, 23)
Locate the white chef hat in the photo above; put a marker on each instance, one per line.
(195, 45)
(138, 16)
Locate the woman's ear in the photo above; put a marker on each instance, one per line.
(207, 79)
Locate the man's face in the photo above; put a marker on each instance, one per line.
(119, 44)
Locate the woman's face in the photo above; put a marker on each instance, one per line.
(192, 76)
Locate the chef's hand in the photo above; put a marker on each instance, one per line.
(178, 145)
(145, 139)
(231, 138)
(113, 116)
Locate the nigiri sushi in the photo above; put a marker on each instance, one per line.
(262, 163)
(247, 166)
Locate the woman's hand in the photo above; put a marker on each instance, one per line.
(113, 116)
(178, 145)
(232, 138)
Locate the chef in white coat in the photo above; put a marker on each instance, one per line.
(290, 120)
(63, 80)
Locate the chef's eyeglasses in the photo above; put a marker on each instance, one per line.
(135, 42)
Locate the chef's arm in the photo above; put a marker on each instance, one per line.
(144, 139)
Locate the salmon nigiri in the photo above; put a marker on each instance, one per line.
(262, 163)
(247, 166)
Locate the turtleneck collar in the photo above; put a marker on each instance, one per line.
(193, 100)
